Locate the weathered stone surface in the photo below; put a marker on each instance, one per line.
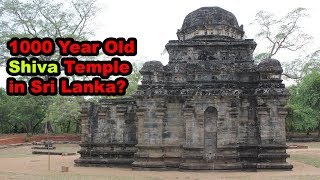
(108, 133)
(210, 21)
(209, 108)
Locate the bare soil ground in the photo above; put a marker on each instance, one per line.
(22, 138)
(19, 163)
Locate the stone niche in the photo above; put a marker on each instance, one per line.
(209, 108)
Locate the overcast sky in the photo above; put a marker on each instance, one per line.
(154, 23)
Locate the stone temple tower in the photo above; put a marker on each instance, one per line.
(210, 107)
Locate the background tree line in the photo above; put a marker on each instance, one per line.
(41, 18)
(286, 34)
(29, 114)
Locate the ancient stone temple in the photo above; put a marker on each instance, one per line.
(210, 107)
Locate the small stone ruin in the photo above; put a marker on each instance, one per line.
(43, 145)
(209, 108)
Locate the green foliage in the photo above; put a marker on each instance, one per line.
(313, 63)
(29, 114)
(299, 67)
(63, 112)
(4, 112)
(282, 33)
(259, 57)
(133, 79)
(42, 18)
(286, 34)
(22, 114)
(304, 104)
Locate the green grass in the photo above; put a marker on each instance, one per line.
(313, 160)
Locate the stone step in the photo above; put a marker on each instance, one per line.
(284, 166)
(228, 166)
(149, 164)
(87, 162)
(273, 155)
(106, 152)
(197, 166)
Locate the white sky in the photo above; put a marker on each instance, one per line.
(154, 23)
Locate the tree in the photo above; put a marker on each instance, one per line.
(22, 114)
(134, 79)
(283, 33)
(64, 114)
(42, 18)
(299, 67)
(28, 114)
(304, 104)
(5, 125)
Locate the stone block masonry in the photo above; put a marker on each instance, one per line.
(209, 108)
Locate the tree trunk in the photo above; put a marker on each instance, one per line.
(50, 128)
(35, 126)
(78, 126)
(68, 127)
(15, 128)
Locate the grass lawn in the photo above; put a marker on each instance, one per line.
(313, 160)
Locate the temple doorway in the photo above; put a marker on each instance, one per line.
(210, 133)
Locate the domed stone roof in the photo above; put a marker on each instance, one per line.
(270, 65)
(210, 21)
(209, 16)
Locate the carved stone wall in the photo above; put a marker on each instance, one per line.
(108, 133)
(209, 108)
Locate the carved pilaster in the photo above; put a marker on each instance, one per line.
(140, 122)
